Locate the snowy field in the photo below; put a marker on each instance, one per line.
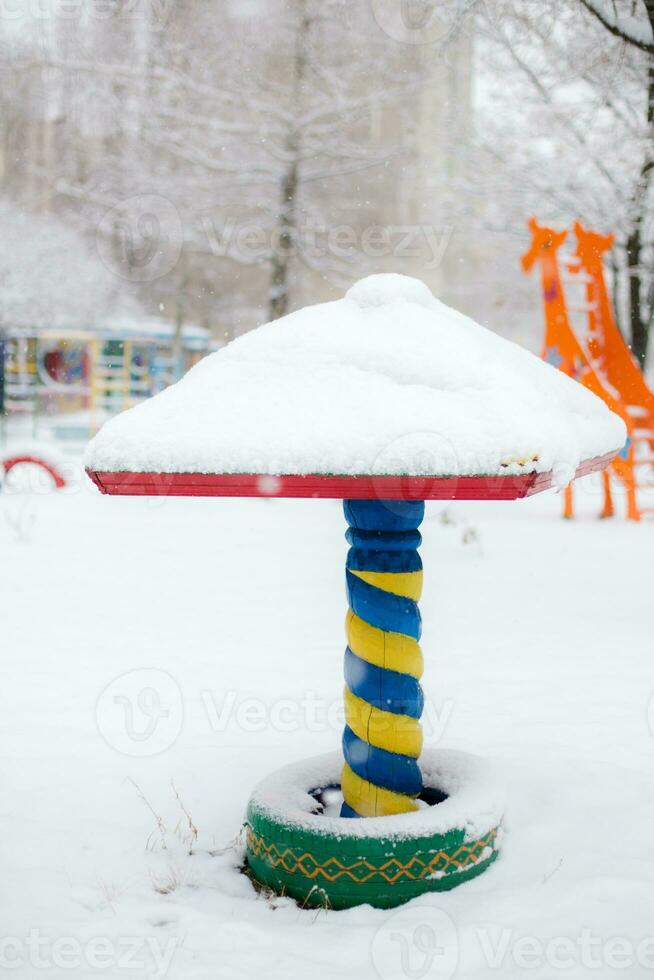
(161, 656)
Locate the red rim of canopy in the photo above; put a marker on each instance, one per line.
(316, 485)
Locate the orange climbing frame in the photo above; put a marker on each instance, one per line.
(563, 350)
(606, 345)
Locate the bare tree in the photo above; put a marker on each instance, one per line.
(262, 128)
(285, 132)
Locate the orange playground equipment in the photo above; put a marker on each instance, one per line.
(596, 356)
(606, 344)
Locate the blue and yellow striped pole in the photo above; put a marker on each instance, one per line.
(383, 662)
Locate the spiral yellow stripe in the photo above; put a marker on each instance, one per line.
(408, 584)
(394, 651)
(383, 729)
(370, 800)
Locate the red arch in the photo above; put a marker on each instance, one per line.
(12, 461)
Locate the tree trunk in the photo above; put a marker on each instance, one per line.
(639, 326)
(287, 218)
(615, 291)
(177, 347)
(640, 310)
(281, 258)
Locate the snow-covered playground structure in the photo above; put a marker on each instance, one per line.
(326, 403)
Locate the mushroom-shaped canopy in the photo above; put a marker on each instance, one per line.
(386, 382)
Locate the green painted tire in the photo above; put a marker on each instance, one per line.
(337, 863)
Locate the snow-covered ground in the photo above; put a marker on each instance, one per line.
(161, 656)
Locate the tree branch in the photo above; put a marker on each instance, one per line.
(616, 28)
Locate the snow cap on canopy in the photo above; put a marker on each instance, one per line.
(386, 381)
